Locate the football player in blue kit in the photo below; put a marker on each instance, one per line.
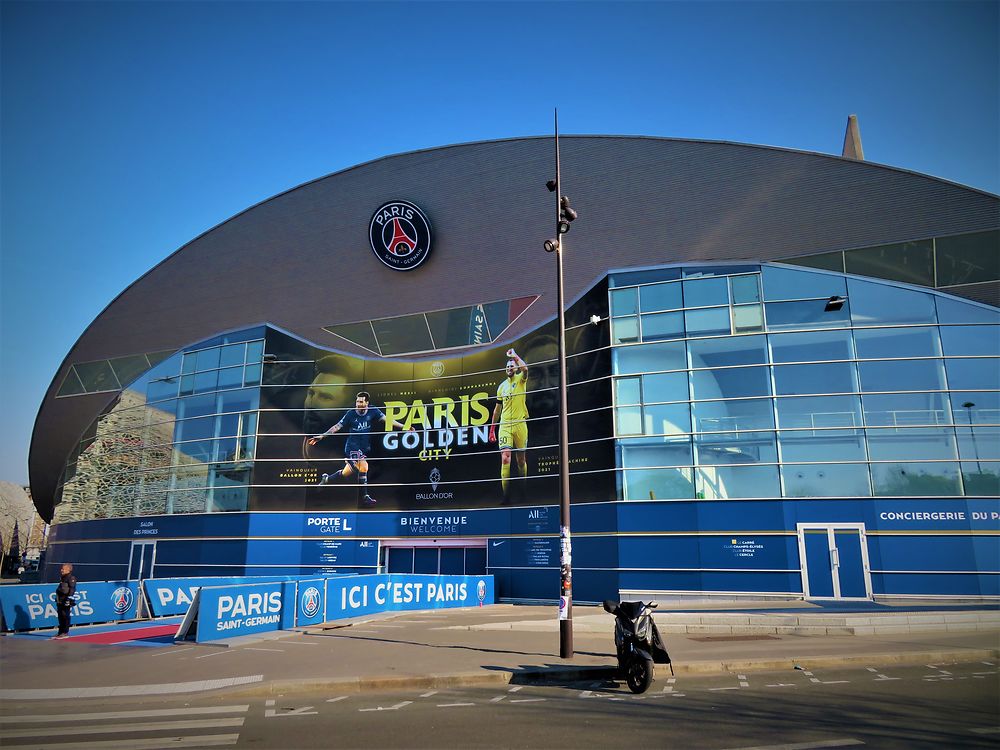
(359, 423)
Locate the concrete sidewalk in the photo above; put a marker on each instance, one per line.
(497, 644)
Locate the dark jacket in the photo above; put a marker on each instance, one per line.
(66, 590)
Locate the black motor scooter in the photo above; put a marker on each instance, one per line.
(637, 642)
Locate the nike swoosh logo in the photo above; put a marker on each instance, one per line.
(497, 544)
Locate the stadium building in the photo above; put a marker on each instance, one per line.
(783, 368)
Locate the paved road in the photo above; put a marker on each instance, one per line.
(932, 706)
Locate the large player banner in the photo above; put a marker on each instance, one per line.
(436, 448)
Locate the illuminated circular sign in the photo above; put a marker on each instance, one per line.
(400, 235)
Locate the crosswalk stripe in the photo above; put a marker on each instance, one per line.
(152, 726)
(157, 743)
(149, 714)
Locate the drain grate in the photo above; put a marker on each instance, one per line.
(713, 638)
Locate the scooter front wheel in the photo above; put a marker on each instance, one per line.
(639, 674)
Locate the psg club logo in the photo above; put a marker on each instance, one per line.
(121, 599)
(310, 601)
(481, 591)
(400, 235)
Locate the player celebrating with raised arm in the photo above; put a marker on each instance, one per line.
(511, 412)
(359, 423)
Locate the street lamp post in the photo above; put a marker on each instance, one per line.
(972, 431)
(564, 215)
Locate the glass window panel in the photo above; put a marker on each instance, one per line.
(745, 288)
(971, 341)
(734, 382)
(706, 292)
(251, 375)
(188, 365)
(667, 419)
(919, 443)
(207, 359)
(627, 391)
(912, 262)
(243, 400)
(255, 351)
(650, 275)
(709, 322)
(358, 333)
(822, 445)
(979, 443)
(206, 381)
(660, 297)
(460, 326)
(885, 303)
(826, 261)
(888, 343)
(231, 377)
(973, 374)
(976, 407)
(834, 377)
(788, 283)
(811, 346)
(225, 450)
(968, 258)
(916, 479)
(650, 358)
(951, 310)
(232, 354)
(196, 406)
(748, 319)
(624, 301)
(624, 330)
(667, 386)
(749, 414)
(720, 482)
(187, 385)
(161, 388)
(97, 376)
(663, 326)
(917, 375)
(229, 424)
(406, 333)
(697, 272)
(787, 316)
(906, 409)
(826, 480)
(658, 484)
(819, 411)
(629, 419)
(71, 384)
(736, 448)
(194, 429)
(981, 478)
(650, 452)
(128, 369)
(156, 357)
(738, 350)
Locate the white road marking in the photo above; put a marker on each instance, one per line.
(208, 740)
(214, 653)
(497, 699)
(269, 702)
(989, 664)
(729, 688)
(401, 704)
(251, 648)
(148, 714)
(515, 689)
(453, 705)
(805, 745)
(150, 726)
(527, 700)
(174, 651)
(781, 684)
(428, 695)
(743, 680)
(992, 672)
(272, 713)
(986, 730)
(338, 698)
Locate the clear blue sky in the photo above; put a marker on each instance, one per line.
(129, 128)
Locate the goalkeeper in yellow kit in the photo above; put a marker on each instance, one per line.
(511, 412)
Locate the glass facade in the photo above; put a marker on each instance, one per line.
(180, 438)
(845, 387)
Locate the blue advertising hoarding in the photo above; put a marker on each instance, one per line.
(34, 606)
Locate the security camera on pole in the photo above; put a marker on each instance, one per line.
(564, 217)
